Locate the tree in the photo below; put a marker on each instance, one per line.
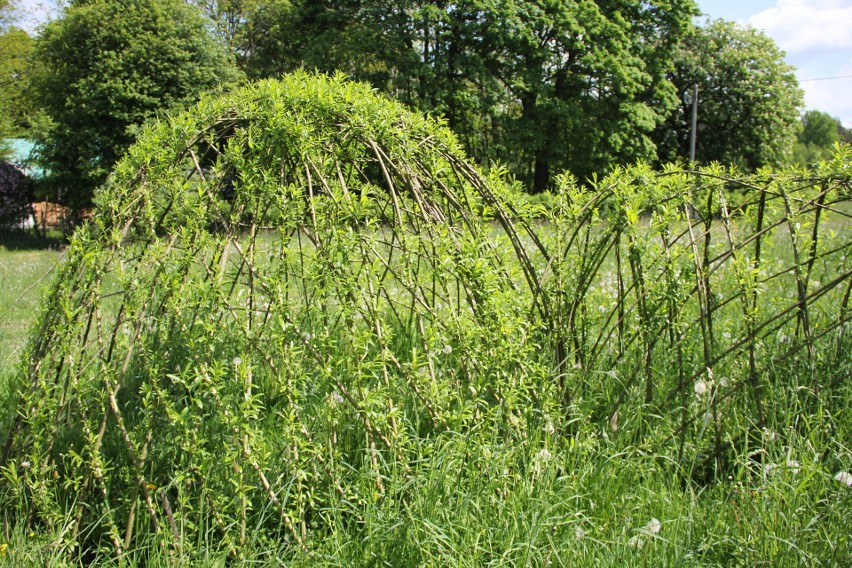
(107, 67)
(586, 80)
(9, 70)
(540, 85)
(16, 46)
(816, 139)
(228, 17)
(749, 99)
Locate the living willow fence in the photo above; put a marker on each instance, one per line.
(291, 293)
(696, 292)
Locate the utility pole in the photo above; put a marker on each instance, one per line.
(694, 125)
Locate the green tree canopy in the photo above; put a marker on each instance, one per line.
(749, 99)
(817, 137)
(16, 46)
(539, 85)
(105, 68)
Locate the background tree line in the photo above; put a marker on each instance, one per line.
(541, 86)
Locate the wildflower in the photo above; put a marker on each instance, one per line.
(150, 487)
(237, 361)
(3, 548)
(844, 477)
(636, 542)
(25, 465)
(653, 526)
(700, 387)
(579, 533)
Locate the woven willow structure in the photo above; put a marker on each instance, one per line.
(293, 295)
(281, 289)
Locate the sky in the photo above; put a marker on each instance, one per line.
(817, 38)
(815, 34)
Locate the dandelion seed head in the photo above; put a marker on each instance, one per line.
(700, 387)
(793, 466)
(579, 533)
(237, 361)
(337, 397)
(636, 542)
(654, 526)
(544, 455)
(25, 464)
(306, 336)
(723, 382)
(447, 349)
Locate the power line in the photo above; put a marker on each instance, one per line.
(826, 78)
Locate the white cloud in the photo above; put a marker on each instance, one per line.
(808, 25)
(831, 96)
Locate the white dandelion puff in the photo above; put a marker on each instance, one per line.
(544, 455)
(237, 361)
(579, 533)
(793, 466)
(447, 349)
(337, 397)
(653, 526)
(636, 542)
(700, 387)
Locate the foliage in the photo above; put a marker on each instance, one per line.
(16, 196)
(820, 132)
(15, 49)
(316, 268)
(540, 86)
(107, 67)
(303, 329)
(229, 18)
(749, 99)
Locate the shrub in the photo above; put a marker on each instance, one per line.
(16, 196)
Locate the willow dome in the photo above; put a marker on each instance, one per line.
(282, 292)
